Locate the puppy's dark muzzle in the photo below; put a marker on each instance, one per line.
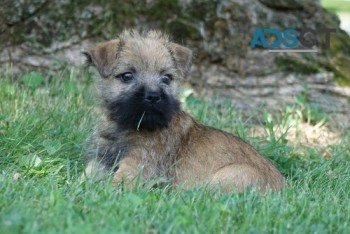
(152, 97)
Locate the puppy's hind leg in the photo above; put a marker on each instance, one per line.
(237, 178)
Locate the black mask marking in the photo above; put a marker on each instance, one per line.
(128, 112)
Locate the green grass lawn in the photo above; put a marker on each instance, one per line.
(43, 125)
(336, 5)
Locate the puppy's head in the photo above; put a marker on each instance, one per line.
(140, 74)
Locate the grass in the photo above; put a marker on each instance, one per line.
(336, 5)
(43, 125)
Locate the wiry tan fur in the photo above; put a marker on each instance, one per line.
(186, 153)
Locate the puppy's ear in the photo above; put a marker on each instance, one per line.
(183, 57)
(103, 56)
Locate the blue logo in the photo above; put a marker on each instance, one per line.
(290, 39)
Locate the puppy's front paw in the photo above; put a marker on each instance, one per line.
(128, 174)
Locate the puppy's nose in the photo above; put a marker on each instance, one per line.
(152, 97)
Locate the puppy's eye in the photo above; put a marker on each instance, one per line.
(167, 78)
(126, 77)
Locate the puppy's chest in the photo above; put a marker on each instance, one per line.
(158, 158)
(156, 154)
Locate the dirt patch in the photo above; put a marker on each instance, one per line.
(304, 135)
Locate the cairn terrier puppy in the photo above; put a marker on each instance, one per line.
(143, 133)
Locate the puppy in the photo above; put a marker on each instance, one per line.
(143, 133)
